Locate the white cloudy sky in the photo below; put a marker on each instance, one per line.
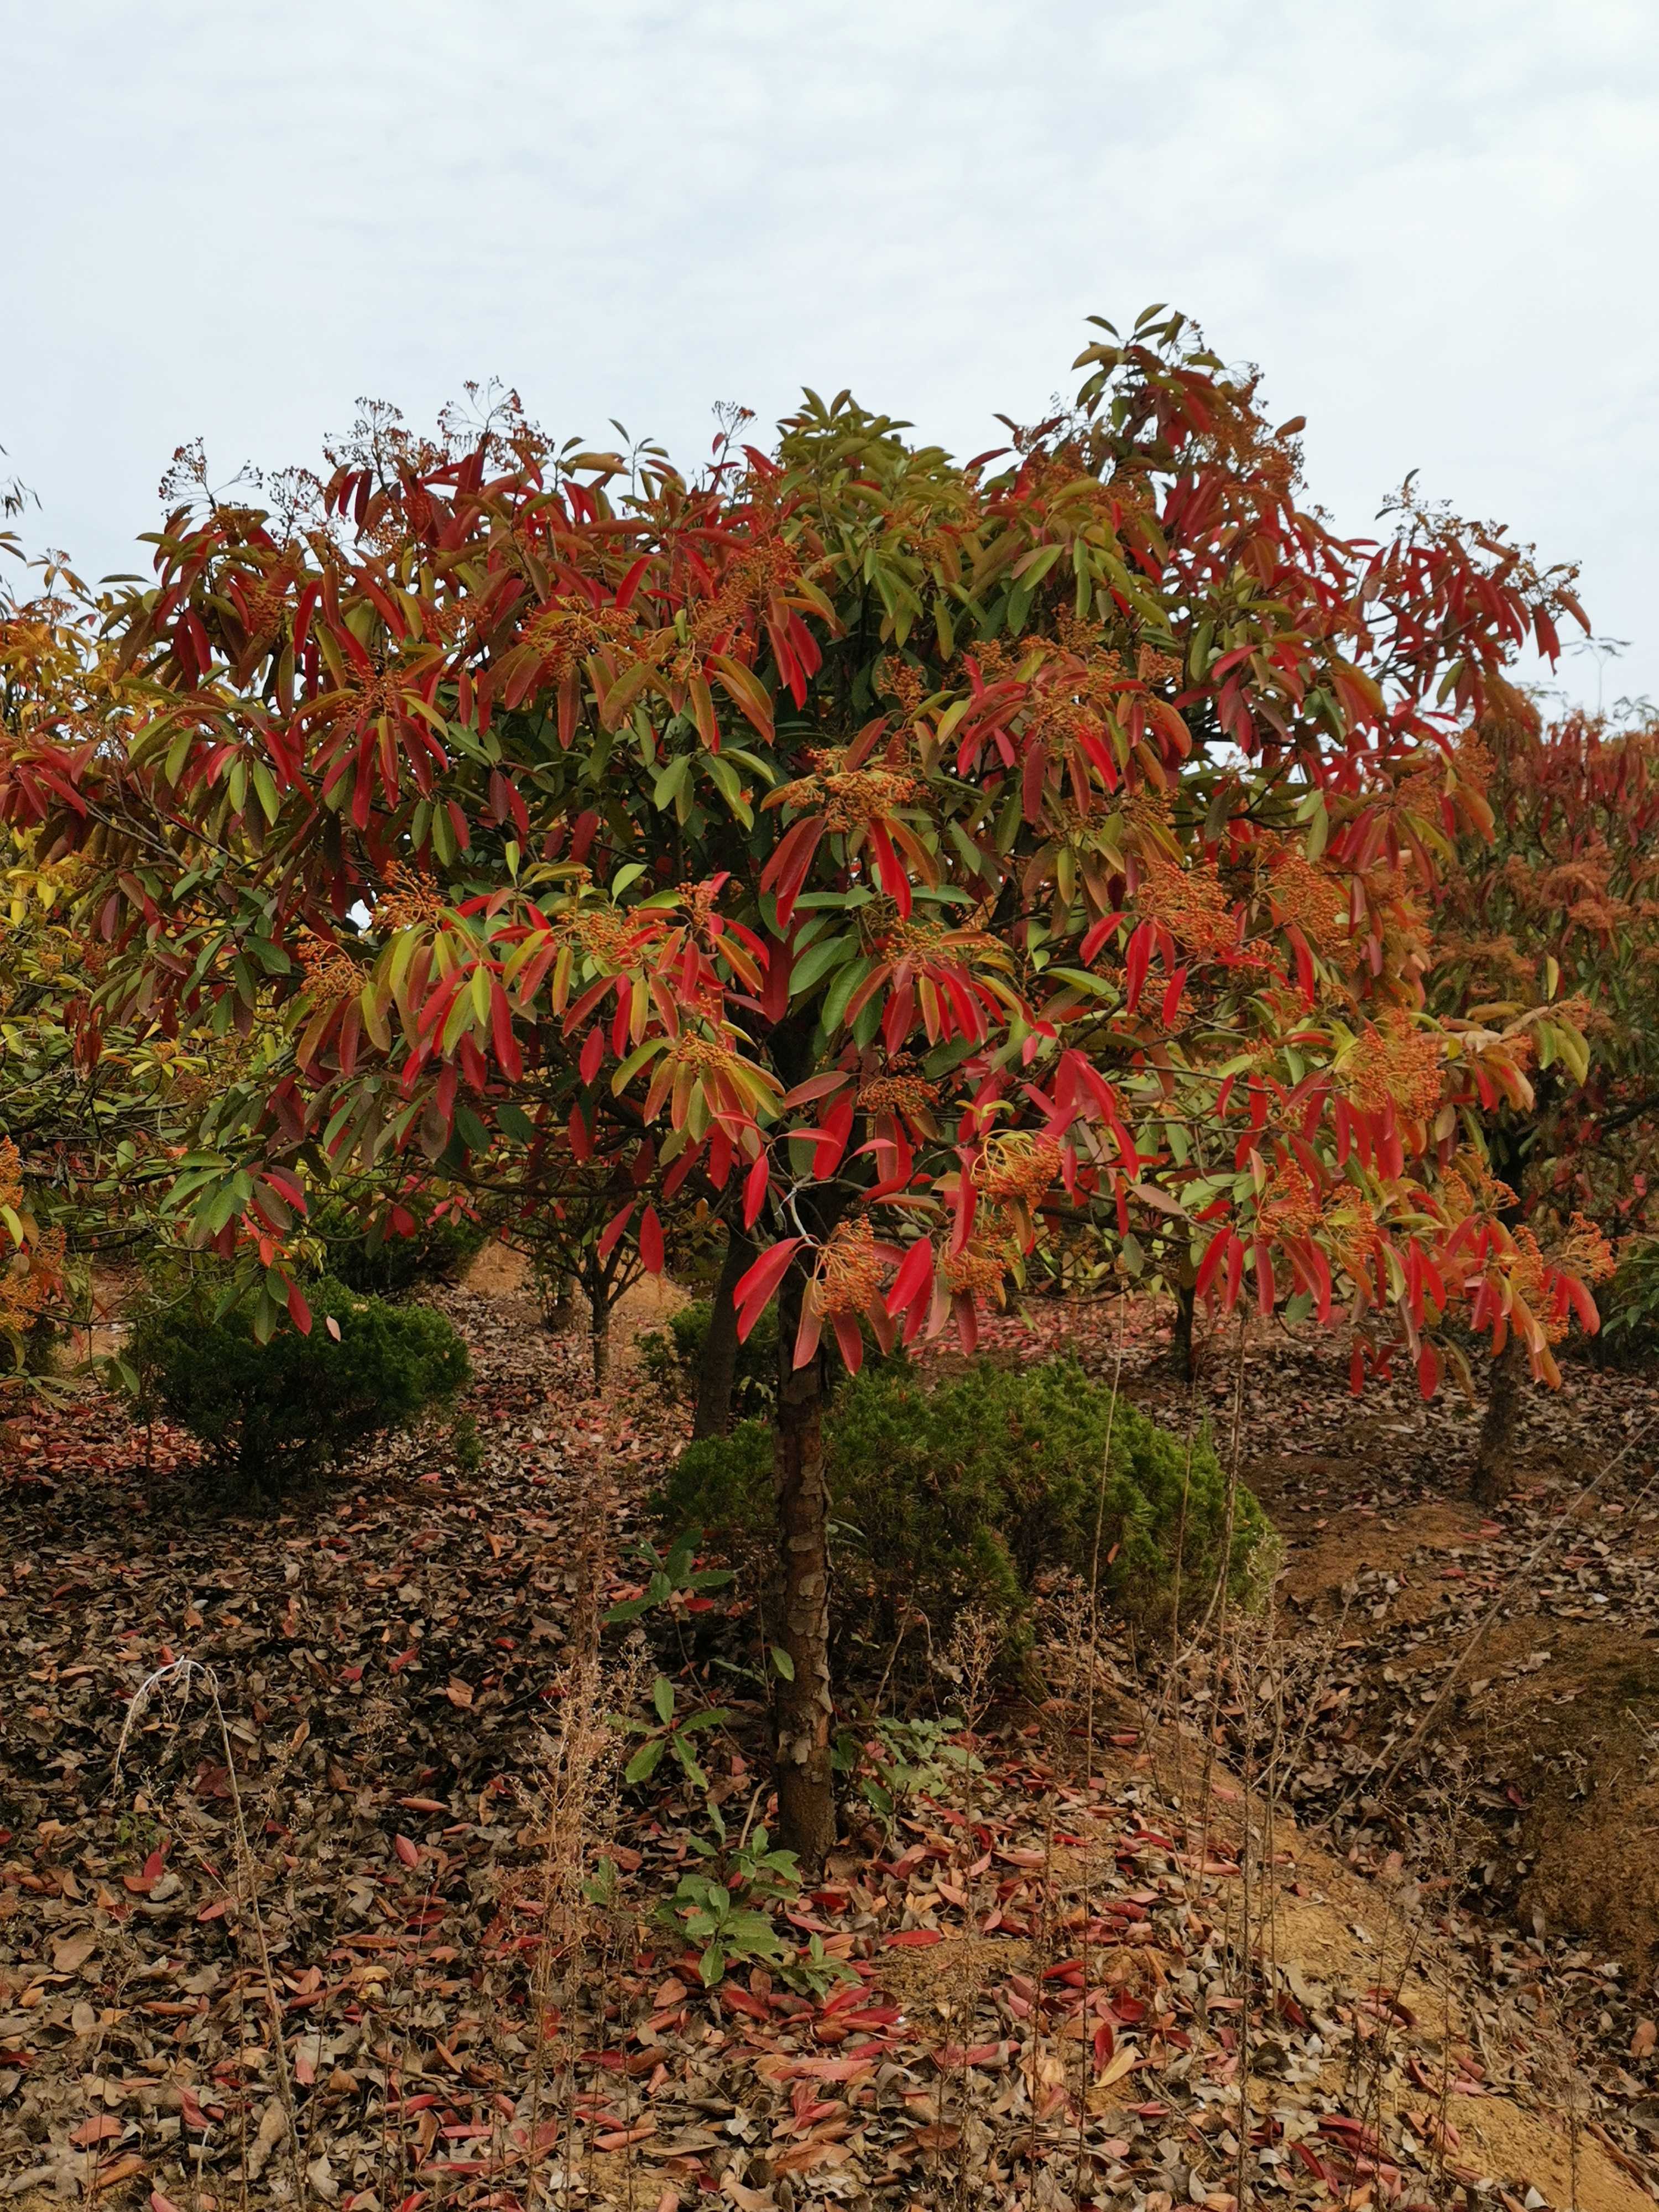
(1431, 221)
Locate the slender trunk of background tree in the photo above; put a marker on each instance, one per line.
(1181, 1341)
(559, 1304)
(803, 1708)
(1494, 1458)
(598, 1330)
(717, 1374)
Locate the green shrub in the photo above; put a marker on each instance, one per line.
(271, 1414)
(438, 1251)
(1629, 1335)
(672, 1358)
(968, 1493)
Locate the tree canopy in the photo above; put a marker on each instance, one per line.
(910, 858)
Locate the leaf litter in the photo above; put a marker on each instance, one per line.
(311, 1944)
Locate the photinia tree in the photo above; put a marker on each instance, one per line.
(1546, 945)
(911, 860)
(91, 1112)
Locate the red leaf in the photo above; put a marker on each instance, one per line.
(754, 1289)
(914, 1279)
(408, 1852)
(651, 1241)
(298, 1311)
(1215, 1253)
(508, 1057)
(754, 1191)
(1428, 1371)
(808, 1335)
(613, 1229)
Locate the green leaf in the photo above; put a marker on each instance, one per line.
(783, 1663)
(693, 1773)
(264, 785)
(668, 785)
(662, 1697)
(839, 995)
(644, 1763)
(814, 965)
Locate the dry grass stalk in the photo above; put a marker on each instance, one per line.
(183, 1674)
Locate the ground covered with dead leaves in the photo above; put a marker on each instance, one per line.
(296, 1815)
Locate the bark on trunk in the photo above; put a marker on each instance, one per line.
(1181, 1343)
(717, 1374)
(1494, 1459)
(804, 1708)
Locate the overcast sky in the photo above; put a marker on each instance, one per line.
(1431, 222)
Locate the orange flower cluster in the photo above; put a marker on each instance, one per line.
(367, 694)
(975, 1272)
(1083, 639)
(897, 1094)
(1396, 1067)
(29, 1279)
(1584, 1252)
(1015, 1169)
(330, 971)
(760, 573)
(848, 798)
(1308, 897)
(1291, 1207)
(414, 901)
(689, 1049)
(1352, 1229)
(850, 1270)
(266, 607)
(1192, 905)
(1153, 666)
(603, 934)
(33, 1270)
(565, 632)
(897, 679)
(918, 939)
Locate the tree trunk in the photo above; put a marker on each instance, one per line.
(559, 1304)
(1181, 1342)
(717, 1374)
(1494, 1459)
(804, 1706)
